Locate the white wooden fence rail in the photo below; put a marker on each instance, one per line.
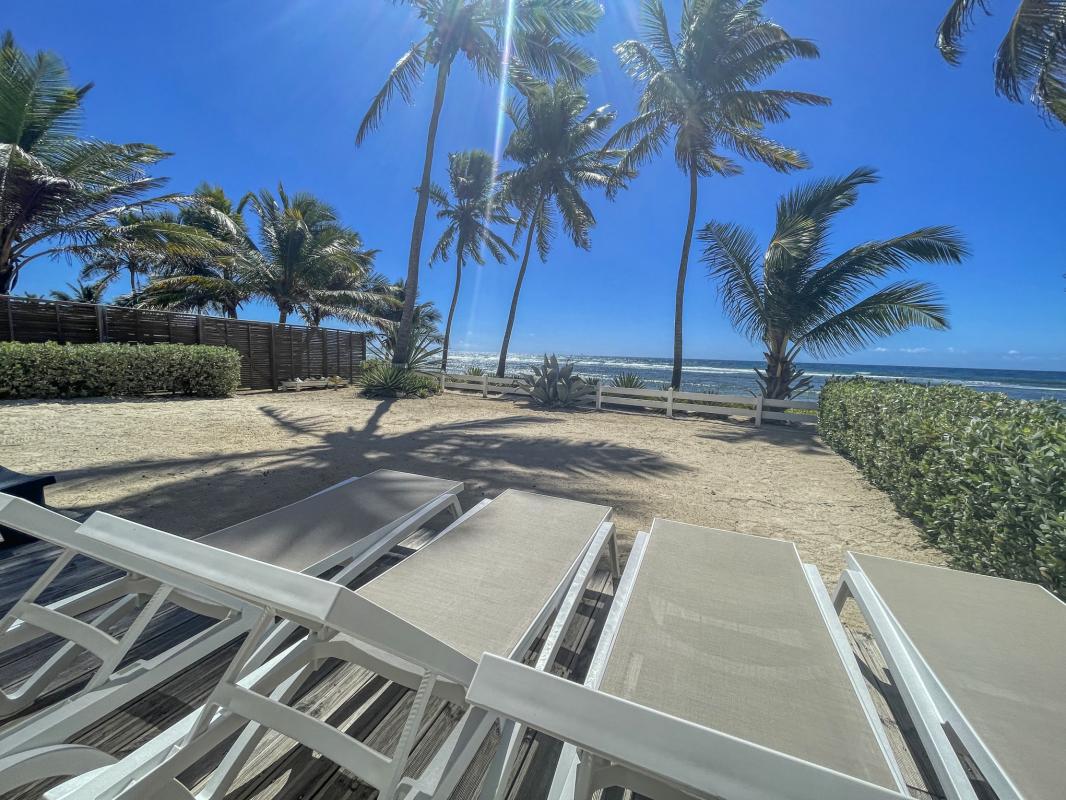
(730, 405)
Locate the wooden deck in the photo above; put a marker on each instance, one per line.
(365, 705)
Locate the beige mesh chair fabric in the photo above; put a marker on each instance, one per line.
(311, 530)
(722, 630)
(998, 649)
(480, 588)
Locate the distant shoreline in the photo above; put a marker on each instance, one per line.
(732, 376)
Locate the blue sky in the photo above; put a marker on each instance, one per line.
(250, 92)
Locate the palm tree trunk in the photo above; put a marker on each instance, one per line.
(133, 279)
(402, 351)
(501, 367)
(682, 275)
(451, 315)
(283, 315)
(778, 368)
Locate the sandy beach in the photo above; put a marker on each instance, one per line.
(192, 466)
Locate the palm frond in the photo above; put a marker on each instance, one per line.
(731, 256)
(405, 75)
(893, 309)
(955, 24)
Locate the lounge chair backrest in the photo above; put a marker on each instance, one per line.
(725, 629)
(991, 653)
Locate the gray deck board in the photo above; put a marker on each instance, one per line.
(365, 705)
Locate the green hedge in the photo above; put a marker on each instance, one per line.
(983, 475)
(106, 370)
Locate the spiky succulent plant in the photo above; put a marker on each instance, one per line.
(555, 386)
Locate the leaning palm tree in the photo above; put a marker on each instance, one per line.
(1031, 59)
(469, 212)
(302, 250)
(526, 36)
(61, 195)
(558, 147)
(800, 300)
(699, 92)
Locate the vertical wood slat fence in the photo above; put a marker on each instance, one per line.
(270, 353)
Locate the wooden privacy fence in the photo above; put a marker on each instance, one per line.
(668, 400)
(270, 353)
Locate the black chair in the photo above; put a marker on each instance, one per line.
(28, 487)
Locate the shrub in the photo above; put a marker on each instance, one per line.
(555, 386)
(627, 380)
(51, 370)
(475, 371)
(385, 379)
(981, 474)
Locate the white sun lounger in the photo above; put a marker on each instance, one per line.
(491, 582)
(351, 524)
(980, 663)
(722, 672)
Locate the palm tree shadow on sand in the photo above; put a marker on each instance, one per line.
(489, 455)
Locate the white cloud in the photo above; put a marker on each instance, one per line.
(913, 350)
(1014, 352)
(880, 350)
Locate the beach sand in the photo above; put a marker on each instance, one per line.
(190, 466)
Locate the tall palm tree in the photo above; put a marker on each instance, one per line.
(526, 36)
(469, 212)
(59, 194)
(303, 253)
(803, 300)
(699, 92)
(1031, 59)
(559, 148)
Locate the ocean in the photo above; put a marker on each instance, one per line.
(738, 377)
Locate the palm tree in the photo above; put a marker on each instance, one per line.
(79, 293)
(306, 261)
(199, 281)
(136, 243)
(59, 194)
(426, 340)
(558, 146)
(1031, 59)
(475, 207)
(799, 300)
(495, 36)
(699, 92)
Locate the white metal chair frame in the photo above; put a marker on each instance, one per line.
(931, 709)
(35, 747)
(613, 742)
(253, 696)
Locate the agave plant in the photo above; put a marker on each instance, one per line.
(383, 379)
(555, 386)
(627, 380)
(476, 372)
